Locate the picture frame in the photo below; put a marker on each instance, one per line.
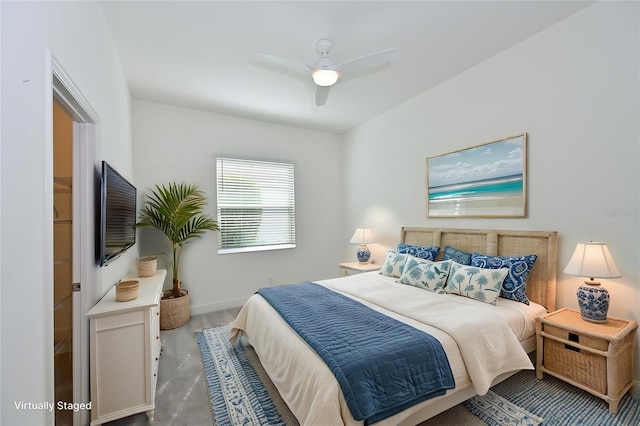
(486, 180)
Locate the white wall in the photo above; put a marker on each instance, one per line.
(575, 89)
(77, 36)
(177, 144)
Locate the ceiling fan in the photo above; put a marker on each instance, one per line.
(324, 72)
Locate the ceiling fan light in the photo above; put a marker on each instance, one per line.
(325, 77)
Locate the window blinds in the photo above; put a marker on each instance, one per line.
(256, 205)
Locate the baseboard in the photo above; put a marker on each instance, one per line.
(218, 306)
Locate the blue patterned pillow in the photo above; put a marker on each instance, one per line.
(476, 283)
(458, 256)
(429, 252)
(425, 274)
(393, 265)
(515, 283)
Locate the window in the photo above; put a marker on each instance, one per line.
(256, 206)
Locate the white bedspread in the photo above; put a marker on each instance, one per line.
(478, 341)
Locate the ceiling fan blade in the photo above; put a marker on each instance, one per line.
(286, 61)
(366, 62)
(322, 93)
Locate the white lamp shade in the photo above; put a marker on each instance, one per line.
(325, 77)
(362, 236)
(592, 260)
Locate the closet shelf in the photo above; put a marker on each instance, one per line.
(63, 345)
(64, 181)
(61, 304)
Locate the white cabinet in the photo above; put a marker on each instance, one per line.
(125, 351)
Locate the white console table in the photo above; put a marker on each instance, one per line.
(125, 351)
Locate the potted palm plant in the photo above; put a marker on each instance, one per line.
(177, 211)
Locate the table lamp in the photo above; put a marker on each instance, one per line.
(362, 236)
(593, 260)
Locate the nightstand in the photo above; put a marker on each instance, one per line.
(596, 357)
(352, 268)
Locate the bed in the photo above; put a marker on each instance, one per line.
(314, 395)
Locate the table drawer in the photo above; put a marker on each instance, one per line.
(591, 342)
(345, 272)
(581, 366)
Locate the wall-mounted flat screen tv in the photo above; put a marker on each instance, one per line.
(117, 221)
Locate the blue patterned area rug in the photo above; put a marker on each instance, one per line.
(559, 403)
(237, 395)
(494, 410)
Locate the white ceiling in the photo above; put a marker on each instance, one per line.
(204, 54)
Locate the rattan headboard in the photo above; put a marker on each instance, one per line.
(541, 284)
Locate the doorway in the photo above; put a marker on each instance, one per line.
(72, 180)
(63, 232)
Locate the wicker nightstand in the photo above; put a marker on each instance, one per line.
(595, 357)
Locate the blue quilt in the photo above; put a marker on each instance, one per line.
(382, 365)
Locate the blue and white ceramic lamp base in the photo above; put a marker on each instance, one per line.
(593, 300)
(363, 254)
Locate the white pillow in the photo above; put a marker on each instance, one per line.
(476, 283)
(425, 274)
(393, 264)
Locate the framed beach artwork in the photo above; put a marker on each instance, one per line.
(487, 180)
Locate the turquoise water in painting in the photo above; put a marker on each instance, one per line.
(496, 187)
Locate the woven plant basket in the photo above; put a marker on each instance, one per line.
(147, 266)
(174, 311)
(127, 290)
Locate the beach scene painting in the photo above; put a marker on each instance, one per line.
(487, 180)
